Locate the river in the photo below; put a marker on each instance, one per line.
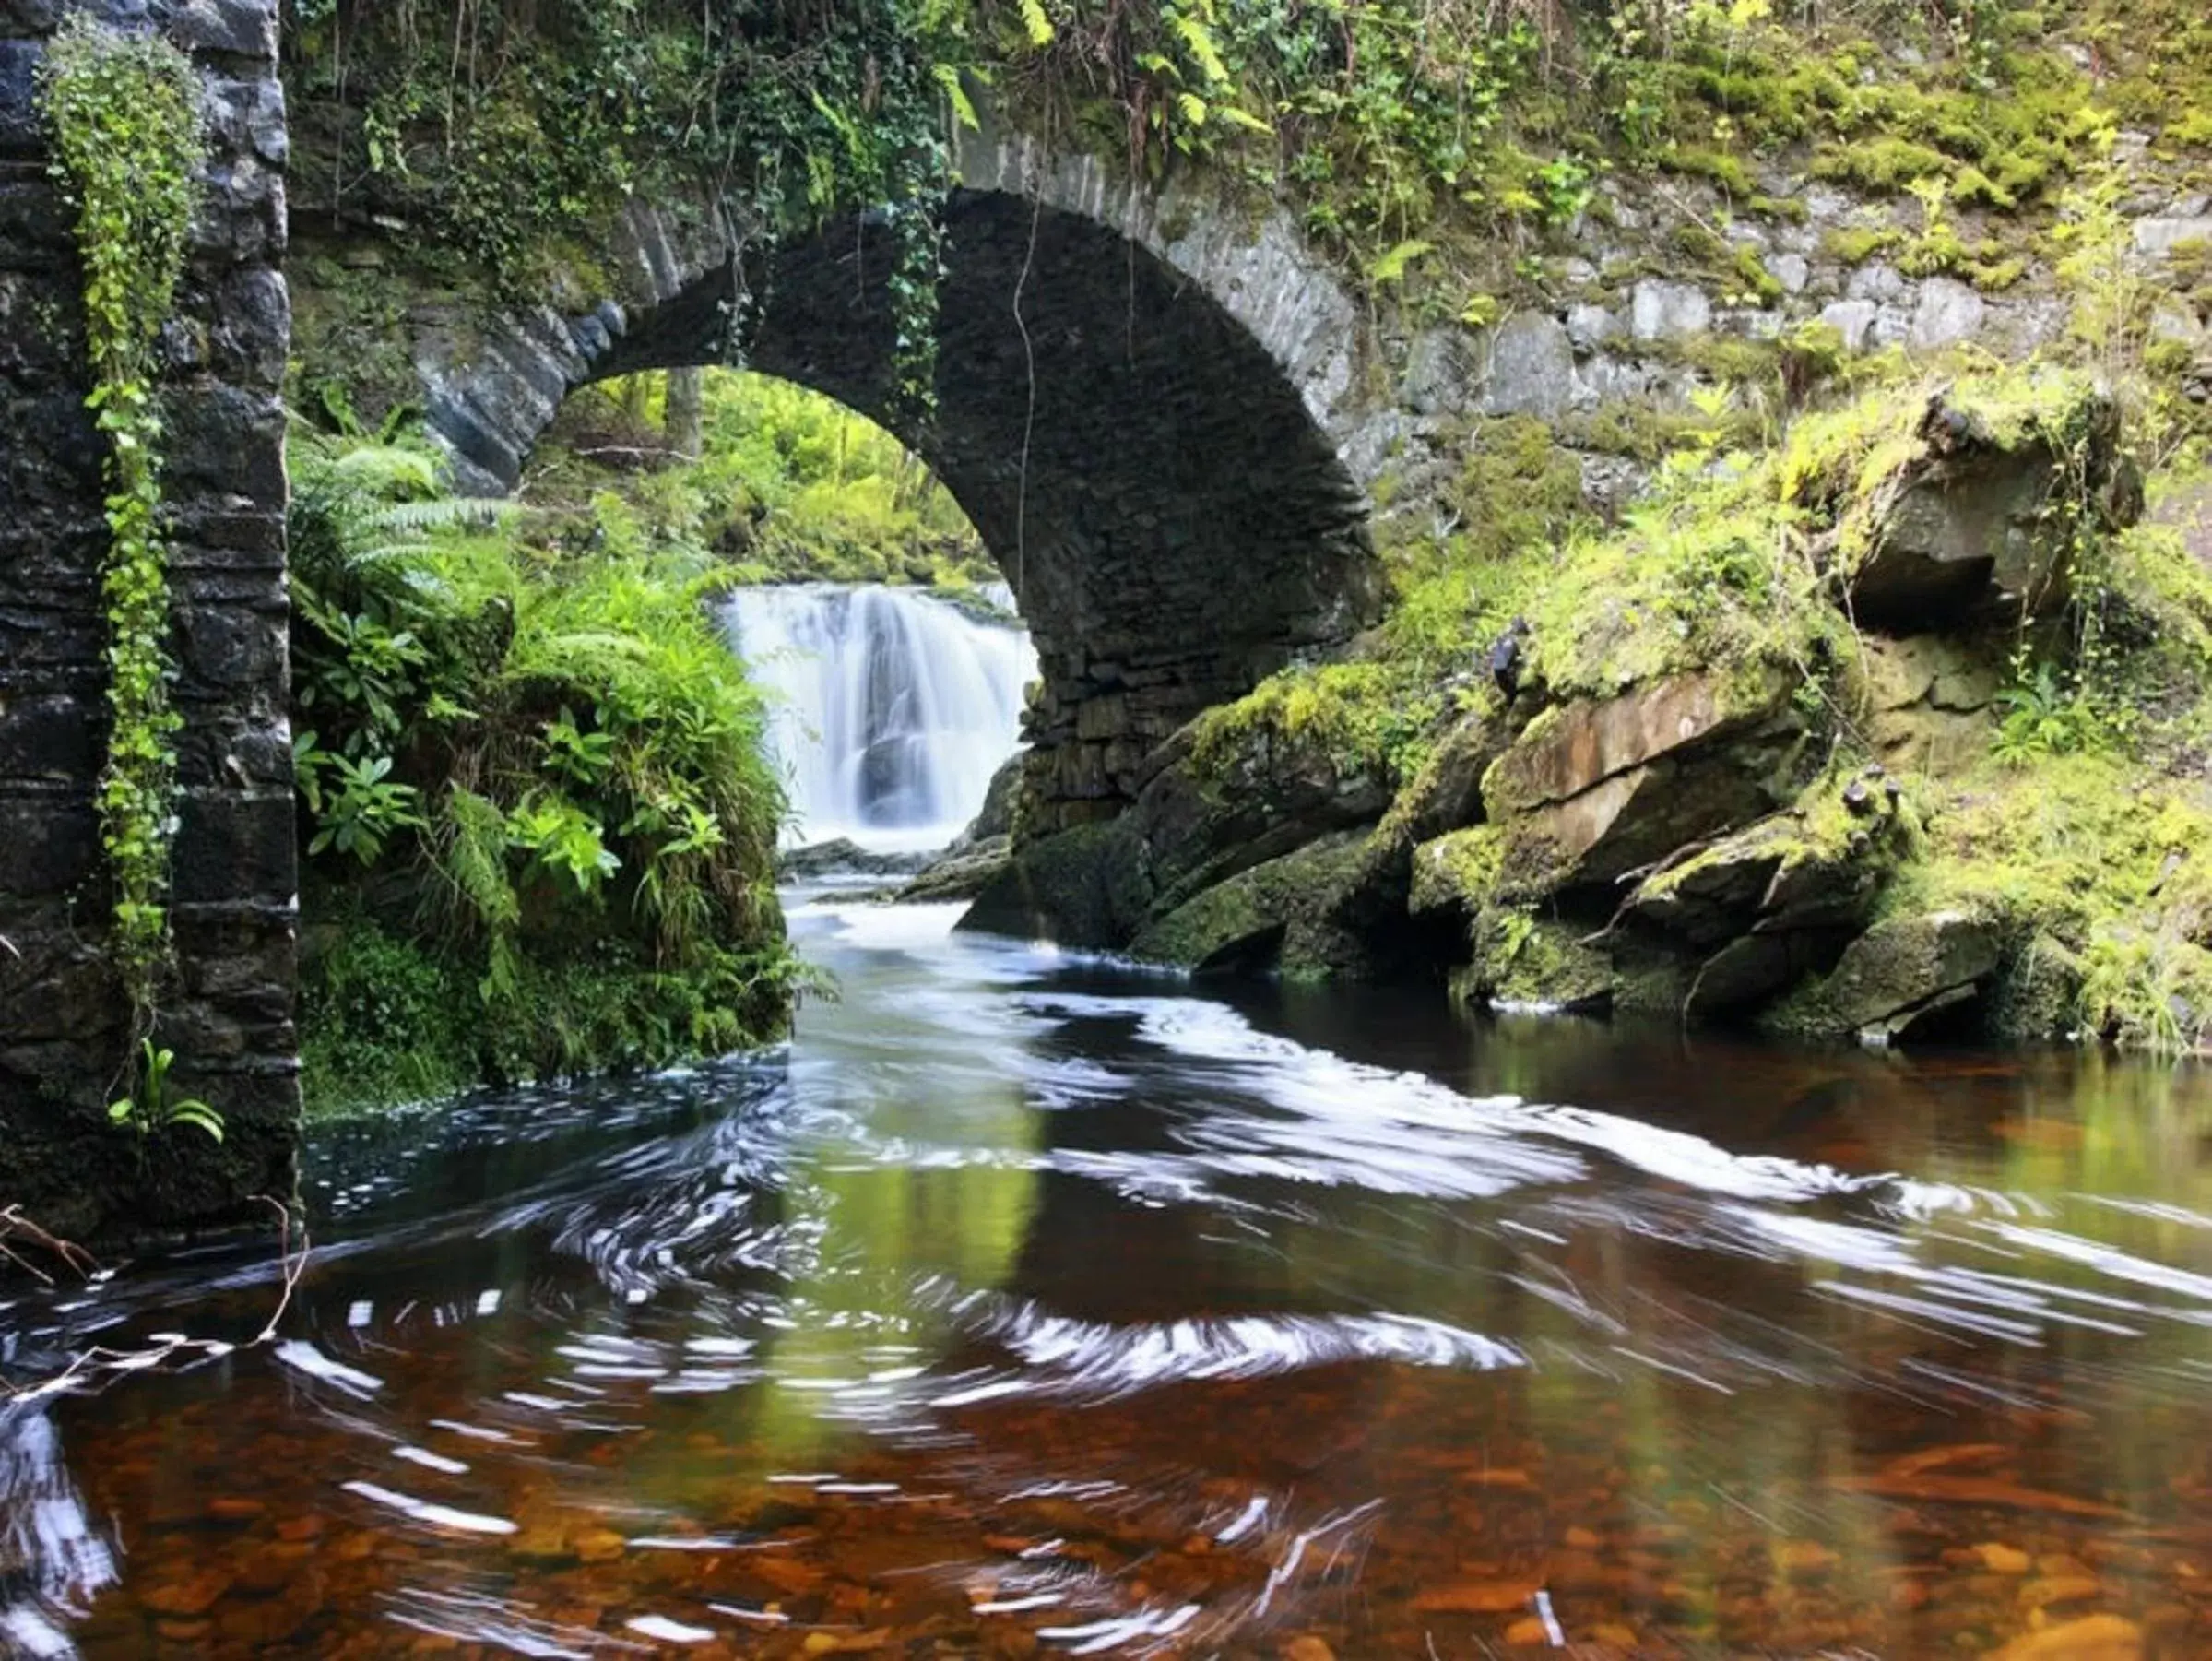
(1027, 1305)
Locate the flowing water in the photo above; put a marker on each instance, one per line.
(894, 708)
(1029, 1306)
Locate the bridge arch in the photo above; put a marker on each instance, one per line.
(1144, 406)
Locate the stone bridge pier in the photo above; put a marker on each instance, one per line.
(1142, 403)
(228, 1011)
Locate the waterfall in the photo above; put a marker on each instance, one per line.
(892, 709)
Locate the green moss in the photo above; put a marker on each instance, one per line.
(1521, 957)
(382, 1021)
(1837, 463)
(1887, 163)
(1461, 868)
(1371, 719)
(1722, 168)
(2108, 862)
(386, 1019)
(1854, 244)
(1278, 915)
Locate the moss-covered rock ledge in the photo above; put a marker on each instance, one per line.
(1894, 726)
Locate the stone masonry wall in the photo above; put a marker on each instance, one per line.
(229, 1015)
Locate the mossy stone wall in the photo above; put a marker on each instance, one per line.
(228, 1009)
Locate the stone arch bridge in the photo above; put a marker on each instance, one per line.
(1148, 404)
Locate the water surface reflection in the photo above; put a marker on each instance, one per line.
(1033, 1306)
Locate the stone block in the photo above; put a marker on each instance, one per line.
(19, 122)
(225, 651)
(235, 844)
(226, 441)
(52, 842)
(52, 739)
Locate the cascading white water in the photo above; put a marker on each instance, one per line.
(894, 709)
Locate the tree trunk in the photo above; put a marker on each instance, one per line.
(681, 424)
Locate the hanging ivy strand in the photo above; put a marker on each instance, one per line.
(124, 111)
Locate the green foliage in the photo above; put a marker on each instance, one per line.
(539, 743)
(2112, 866)
(521, 128)
(2045, 714)
(1364, 720)
(124, 113)
(153, 1109)
(358, 808)
(788, 485)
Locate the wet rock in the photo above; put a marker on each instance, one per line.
(1276, 915)
(193, 1594)
(1477, 1597)
(1521, 961)
(959, 875)
(842, 857)
(1896, 976)
(1090, 886)
(1221, 801)
(995, 819)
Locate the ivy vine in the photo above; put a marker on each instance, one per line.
(125, 111)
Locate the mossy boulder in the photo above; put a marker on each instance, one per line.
(1594, 790)
(1896, 977)
(1091, 886)
(1928, 702)
(1973, 511)
(1523, 960)
(961, 874)
(1445, 795)
(1279, 915)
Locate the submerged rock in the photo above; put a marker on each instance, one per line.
(842, 857)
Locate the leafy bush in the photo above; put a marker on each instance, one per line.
(552, 768)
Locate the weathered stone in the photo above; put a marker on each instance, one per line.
(1090, 886)
(1929, 701)
(841, 856)
(1853, 319)
(1519, 961)
(995, 819)
(1531, 367)
(1567, 751)
(1896, 974)
(2158, 236)
(1965, 528)
(1949, 312)
(1277, 914)
(1663, 311)
(961, 874)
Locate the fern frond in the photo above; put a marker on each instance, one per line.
(1198, 41)
(1037, 22)
(963, 108)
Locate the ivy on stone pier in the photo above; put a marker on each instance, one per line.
(126, 116)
